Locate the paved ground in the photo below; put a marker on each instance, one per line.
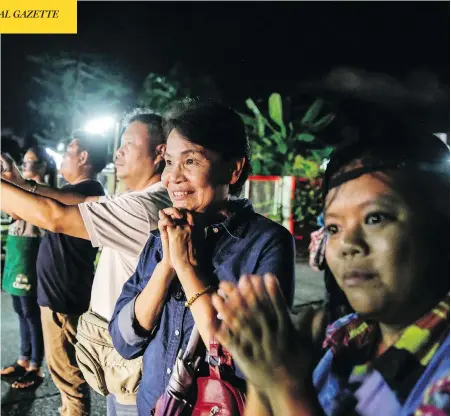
(309, 285)
(46, 400)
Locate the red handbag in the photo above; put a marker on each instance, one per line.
(215, 394)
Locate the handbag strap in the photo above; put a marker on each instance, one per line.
(217, 355)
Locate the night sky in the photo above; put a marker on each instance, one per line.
(250, 49)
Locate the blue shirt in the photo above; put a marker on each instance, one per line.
(245, 243)
(65, 264)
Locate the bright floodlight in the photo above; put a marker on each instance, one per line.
(442, 136)
(99, 125)
(60, 147)
(56, 156)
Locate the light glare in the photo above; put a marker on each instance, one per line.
(56, 156)
(99, 125)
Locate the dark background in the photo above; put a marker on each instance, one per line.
(250, 49)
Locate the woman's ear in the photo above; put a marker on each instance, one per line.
(236, 168)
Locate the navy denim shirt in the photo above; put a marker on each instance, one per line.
(243, 244)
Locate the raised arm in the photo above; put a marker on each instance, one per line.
(150, 302)
(12, 174)
(42, 211)
(65, 196)
(183, 259)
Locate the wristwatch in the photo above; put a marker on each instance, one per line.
(33, 184)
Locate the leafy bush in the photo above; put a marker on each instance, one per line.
(290, 147)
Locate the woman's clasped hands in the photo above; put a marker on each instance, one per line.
(176, 228)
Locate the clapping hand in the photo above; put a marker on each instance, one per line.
(257, 330)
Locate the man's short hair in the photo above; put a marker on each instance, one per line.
(96, 146)
(154, 123)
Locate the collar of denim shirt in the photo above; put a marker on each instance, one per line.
(235, 225)
(239, 210)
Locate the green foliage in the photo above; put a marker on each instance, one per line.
(289, 146)
(158, 92)
(71, 88)
(307, 203)
(286, 147)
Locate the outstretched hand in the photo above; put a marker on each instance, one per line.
(257, 330)
(10, 171)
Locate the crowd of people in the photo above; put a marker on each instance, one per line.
(182, 253)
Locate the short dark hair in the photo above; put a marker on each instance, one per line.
(154, 123)
(96, 146)
(393, 145)
(216, 127)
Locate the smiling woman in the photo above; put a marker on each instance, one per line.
(223, 146)
(205, 238)
(193, 174)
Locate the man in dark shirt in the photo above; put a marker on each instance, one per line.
(65, 270)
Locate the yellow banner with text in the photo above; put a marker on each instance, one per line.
(38, 16)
